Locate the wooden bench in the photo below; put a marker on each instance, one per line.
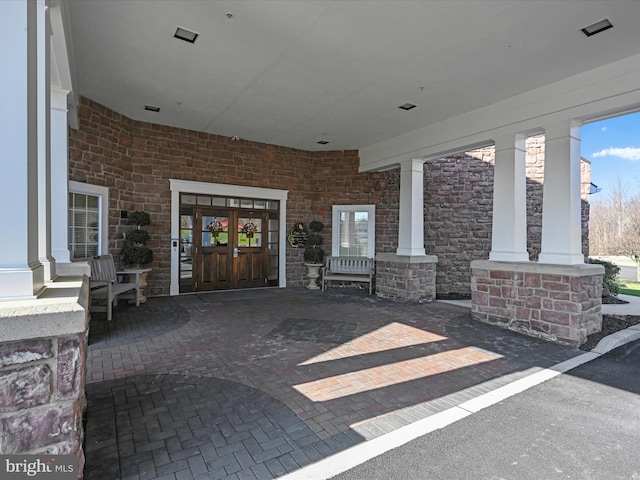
(350, 269)
(104, 284)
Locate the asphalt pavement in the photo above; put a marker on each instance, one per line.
(584, 424)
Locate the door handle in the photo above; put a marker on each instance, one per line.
(235, 251)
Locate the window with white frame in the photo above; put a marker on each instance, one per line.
(353, 232)
(87, 219)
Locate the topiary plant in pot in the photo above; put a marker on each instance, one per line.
(314, 254)
(135, 252)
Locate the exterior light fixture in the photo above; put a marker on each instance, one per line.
(152, 108)
(407, 106)
(322, 142)
(601, 26)
(186, 35)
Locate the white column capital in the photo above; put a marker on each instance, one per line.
(414, 164)
(509, 142)
(565, 128)
(59, 98)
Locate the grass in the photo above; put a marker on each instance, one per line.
(629, 287)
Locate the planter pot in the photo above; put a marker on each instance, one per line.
(313, 272)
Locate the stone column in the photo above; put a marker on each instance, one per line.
(411, 222)
(509, 228)
(561, 204)
(44, 143)
(21, 273)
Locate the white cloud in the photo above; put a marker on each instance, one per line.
(603, 129)
(627, 153)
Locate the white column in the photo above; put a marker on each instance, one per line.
(21, 273)
(59, 176)
(509, 228)
(44, 153)
(411, 222)
(561, 203)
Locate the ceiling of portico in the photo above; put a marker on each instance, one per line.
(293, 73)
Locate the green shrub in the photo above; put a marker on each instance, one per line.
(139, 237)
(136, 255)
(610, 280)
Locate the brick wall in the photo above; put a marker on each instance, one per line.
(135, 160)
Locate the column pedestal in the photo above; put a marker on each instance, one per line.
(406, 278)
(560, 303)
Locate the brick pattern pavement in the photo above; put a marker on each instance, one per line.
(256, 384)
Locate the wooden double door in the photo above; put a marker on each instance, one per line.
(225, 251)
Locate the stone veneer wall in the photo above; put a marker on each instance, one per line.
(42, 371)
(135, 160)
(406, 279)
(555, 302)
(459, 209)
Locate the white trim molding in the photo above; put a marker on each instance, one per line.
(204, 188)
(371, 228)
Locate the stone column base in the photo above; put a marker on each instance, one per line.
(560, 303)
(406, 278)
(43, 349)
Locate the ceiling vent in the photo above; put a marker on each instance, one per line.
(597, 27)
(152, 108)
(186, 35)
(407, 106)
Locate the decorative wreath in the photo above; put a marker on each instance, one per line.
(215, 227)
(249, 228)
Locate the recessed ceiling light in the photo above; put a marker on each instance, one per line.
(601, 26)
(407, 106)
(322, 142)
(186, 35)
(152, 108)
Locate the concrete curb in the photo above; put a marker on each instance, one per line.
(617, 339)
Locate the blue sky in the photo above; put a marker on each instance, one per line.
(613, 147)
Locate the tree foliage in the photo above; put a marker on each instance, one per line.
(614, 225)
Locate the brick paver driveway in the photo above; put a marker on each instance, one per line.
(255, 384)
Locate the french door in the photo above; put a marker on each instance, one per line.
(224, 248)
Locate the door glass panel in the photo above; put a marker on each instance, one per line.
(244, 203)
(218, 201)
(186, 246)
(249, 232)
(189, 199)
(215, 230)
(204, 200)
